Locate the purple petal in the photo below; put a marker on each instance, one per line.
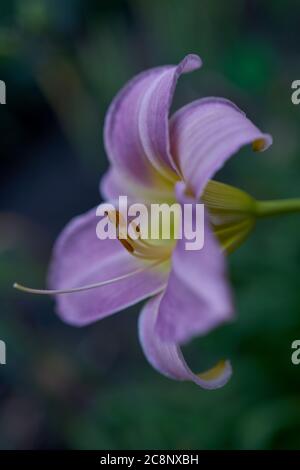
(198, 297)
(206, 133)
(80, 258)
(136, 130)
(114, 184)
(167, 358)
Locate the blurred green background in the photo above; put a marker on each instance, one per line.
(91, 388)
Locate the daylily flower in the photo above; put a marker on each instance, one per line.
(154, 158)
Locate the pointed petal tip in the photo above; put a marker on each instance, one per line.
(191, 62)
(208, 132)
(263, 143)
(167, 358)
(217, 376)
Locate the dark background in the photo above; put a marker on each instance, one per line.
(91, 388)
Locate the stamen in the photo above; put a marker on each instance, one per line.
(86, 287)
(139, 247)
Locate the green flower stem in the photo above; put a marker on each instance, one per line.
(270, 208)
